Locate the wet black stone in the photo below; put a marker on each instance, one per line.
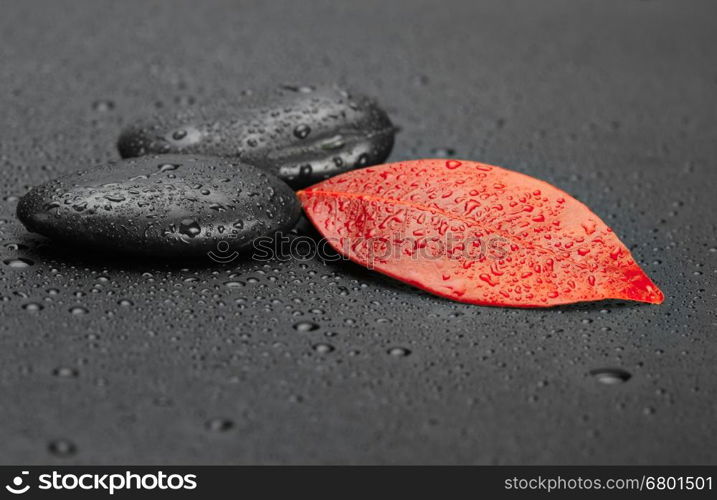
(167, 205)
(301, 134)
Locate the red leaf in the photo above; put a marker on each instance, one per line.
(475, 233)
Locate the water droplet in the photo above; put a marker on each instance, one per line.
(79, 310)
(589, 226)
(167, 167)
(15, 246)
(65, 372)
(219, 424)
(18, 263)
(362, 160)
(32, 307)
(178, 135)
(103, 105)
(62, 448)
(304, 89)
(302, 131)
(115, 197)
(399, 352)
(443, 152)
(453, 164)
(335, 142)
(323, 348)
(305, 326)
(611, 376)
(189, 227)
(486, 277)
(305, 170)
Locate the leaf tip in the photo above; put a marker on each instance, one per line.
(642, 288)
(657, 297)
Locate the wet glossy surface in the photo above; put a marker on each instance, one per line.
(303, 134)
(161, 205)
(121, 361)
(475, 233)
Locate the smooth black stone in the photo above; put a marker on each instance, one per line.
(165, 205)
(301, 134)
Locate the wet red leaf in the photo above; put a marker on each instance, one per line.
(475, 233)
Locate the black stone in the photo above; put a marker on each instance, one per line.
(168, 205)
(301, 134)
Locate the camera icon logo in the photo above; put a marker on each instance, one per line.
(16, 487)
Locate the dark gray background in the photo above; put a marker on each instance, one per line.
(613, 101)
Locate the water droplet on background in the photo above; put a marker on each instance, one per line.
(611, 376)
(399, 352)
(103, 105)
(18, 263)
(219, 424)
(62, 448)
(79, 310)
(323, 348)
(65, 372)
(305, 326)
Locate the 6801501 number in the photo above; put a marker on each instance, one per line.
(678, 483)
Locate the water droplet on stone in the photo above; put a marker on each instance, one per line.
(18, 263)
(115, 197)
(15, 246)
(362, 160)
(178, 135)
(189, 227)
(305, 170)
(332, 143)
(302, 131)
(277, 138)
